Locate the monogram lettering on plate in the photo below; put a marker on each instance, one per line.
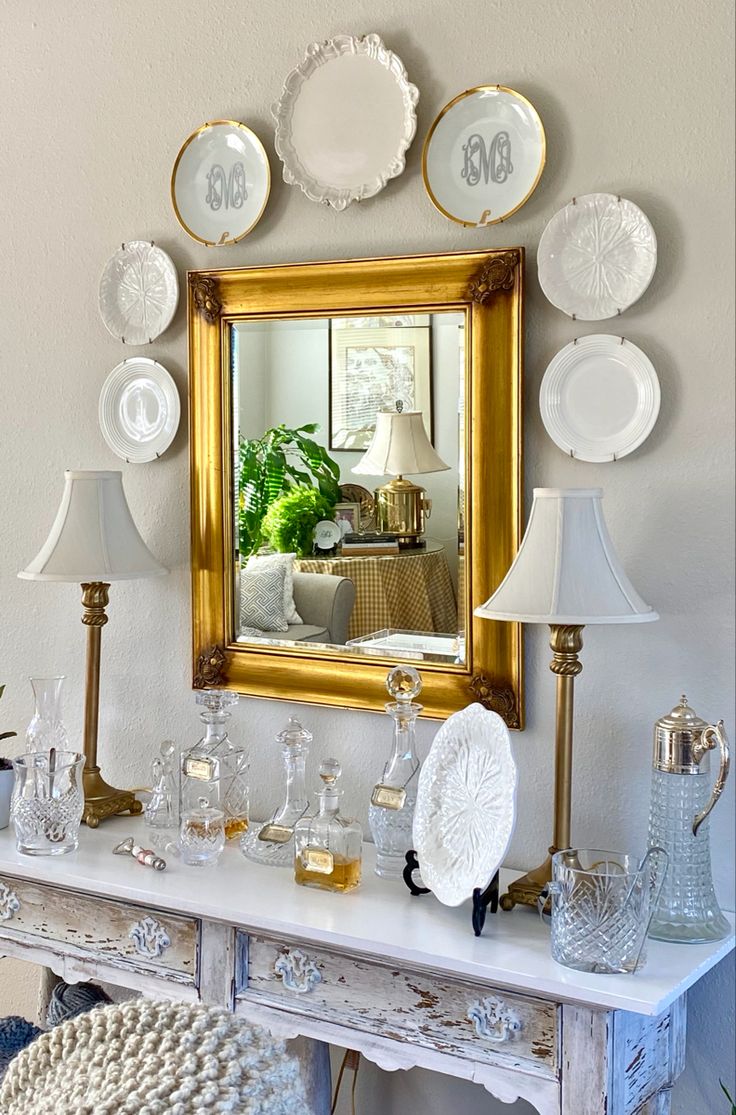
(226, 191)
(487, 164)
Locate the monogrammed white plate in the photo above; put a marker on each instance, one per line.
(596, 256)
(599, 398)
(345, 120)
(139, 292)
(139, 410)
(466, 805)
(484, 155)
(220, 183)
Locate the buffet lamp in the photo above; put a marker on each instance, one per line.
(400, 445)
(566, 574)
(94, 541)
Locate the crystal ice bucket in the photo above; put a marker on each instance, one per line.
(602, 904)
(47, 802)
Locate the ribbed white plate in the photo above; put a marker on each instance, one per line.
(345, 120)
(139, 292)
(596, 257)
(139, 410)
(466, 805)
(599, 398)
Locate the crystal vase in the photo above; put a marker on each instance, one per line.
(46, 729)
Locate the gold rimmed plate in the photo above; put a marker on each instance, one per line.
(484, 155)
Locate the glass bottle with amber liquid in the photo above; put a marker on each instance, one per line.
(216, 768)
(328, 847)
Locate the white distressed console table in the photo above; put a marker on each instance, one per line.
(400, 979)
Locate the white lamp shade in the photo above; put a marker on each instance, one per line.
(566, 570)
(400, 445)
(93, 537)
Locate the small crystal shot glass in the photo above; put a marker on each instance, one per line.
(202, 835)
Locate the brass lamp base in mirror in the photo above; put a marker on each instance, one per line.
(100, 799)
(401, 508)
(566, 642)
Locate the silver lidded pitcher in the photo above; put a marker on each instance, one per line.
(681, 801)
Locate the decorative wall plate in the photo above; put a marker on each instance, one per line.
(327, 534)
(484, 155)
(139, 410)
(466, 803)
(345, 120)
(356, 493)
(599, 398)
(596, 256)
(220, 183)
(139, 292)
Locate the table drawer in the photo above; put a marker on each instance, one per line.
(477, 1021)
(112, 932)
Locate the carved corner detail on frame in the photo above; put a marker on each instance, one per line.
(496, 274)
(210, 671)
(497, 698)
(206, 297)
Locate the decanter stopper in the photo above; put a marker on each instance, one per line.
(216, 700)
(330, 771)
(404, 683)
(294, 736)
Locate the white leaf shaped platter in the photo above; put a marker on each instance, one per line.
(139, 292)
(345, 120)
(596, 257)
(466, 804)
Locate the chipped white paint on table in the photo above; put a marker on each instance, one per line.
(400, 979)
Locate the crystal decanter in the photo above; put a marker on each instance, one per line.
(46, 729)
(273, 843)
(328, 847)
(682, 798)
(216, 769)
(162, 809)
(392, 802)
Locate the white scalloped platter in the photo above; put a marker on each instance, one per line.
(596, 257)
(345, 120)
(466, 805)
(599, 398)
(139, 292)
(139, 410)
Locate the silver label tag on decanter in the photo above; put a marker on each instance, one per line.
(276, 834)
(201, 769)
(388, 797)
(319, 860)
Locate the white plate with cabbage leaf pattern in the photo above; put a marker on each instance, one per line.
(466, 805)
(139, 292)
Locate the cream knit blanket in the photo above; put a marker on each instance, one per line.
(154, 1058)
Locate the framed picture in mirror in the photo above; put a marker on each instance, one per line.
(272, 350)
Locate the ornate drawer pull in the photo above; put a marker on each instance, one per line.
(149, 937)
(493, 1020)
(9, 903)
(298, 973)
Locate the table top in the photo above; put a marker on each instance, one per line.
(380, 919)
(427, 550)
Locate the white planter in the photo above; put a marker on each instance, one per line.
(7, 778)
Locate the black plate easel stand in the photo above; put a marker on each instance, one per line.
(482, 899)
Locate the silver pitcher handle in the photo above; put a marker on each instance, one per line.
(713, 735)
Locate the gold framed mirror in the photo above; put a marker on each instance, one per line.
(364, 416)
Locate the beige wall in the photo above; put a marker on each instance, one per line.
(636, 97)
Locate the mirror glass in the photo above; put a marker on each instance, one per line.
(349, 453)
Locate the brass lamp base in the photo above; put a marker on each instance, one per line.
(102, 801)
(566, 642)
(401, 508)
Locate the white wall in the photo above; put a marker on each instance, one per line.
(636, 97)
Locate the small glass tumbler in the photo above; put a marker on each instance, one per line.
(47, 802)
(202, 835)
(602, 904)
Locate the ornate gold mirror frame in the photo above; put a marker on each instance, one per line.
(487, 286)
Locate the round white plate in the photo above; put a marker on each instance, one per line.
(599, 398)
(466, 804)
(139, 410)
(326, 534)
(345, 120)
(220, 183)
(139, 292)
(596, 257)
(484, 155)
